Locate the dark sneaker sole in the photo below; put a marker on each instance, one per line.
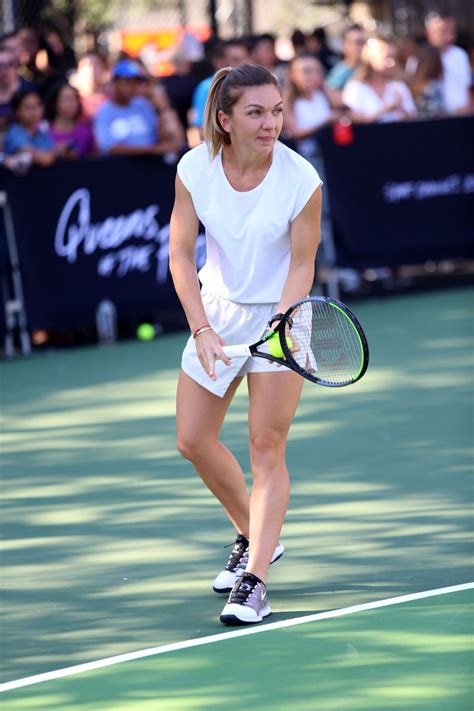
(227, 590)
(234, 621)
(222, 590)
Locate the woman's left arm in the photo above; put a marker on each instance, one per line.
(305, 235)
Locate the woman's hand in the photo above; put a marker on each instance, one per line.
(209, 349)
(289, 337)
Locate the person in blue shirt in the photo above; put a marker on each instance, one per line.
(28, 133)
(128, 124)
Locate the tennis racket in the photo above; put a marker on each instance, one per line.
(319, 338)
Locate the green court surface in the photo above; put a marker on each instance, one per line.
(111, 542)
(417, 655)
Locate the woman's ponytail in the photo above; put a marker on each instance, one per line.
(214, 134)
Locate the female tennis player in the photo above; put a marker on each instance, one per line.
(260, 204)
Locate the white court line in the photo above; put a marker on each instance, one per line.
(152, 651)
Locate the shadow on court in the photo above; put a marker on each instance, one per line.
(413, 656)
(112, 542)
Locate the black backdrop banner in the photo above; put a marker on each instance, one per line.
(92, 230)
(401, 193)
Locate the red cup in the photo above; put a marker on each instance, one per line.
(342, 132)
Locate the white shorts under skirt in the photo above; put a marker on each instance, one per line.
(235, 323)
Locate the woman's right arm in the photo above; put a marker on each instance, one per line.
(184, 228)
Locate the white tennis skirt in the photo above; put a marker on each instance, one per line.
(235, 323)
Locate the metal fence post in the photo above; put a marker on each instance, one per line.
(15, 314)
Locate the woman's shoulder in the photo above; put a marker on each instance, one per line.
(299, 179)
(198, 156)
(356, 83)
(15, 139)
(198, 152)
(15, 129)
(290, 159)
(355, 88)
(292, 166)
(193, 166)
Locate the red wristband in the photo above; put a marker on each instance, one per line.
(201, 329)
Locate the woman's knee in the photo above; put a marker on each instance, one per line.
(267, 450)
(192, 447)
(187, 446)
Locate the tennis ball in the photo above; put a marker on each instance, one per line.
(145, 332)
(274, 346)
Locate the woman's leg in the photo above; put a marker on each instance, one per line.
(199, 417)
(273, 399)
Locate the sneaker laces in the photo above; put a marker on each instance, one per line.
(240, 554)
(243, 589)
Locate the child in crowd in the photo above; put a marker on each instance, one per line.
(29, 134)
(307, 106)
(66, 123)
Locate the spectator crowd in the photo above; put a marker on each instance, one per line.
(54, 104)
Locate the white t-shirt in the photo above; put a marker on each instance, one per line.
(247, 233)
(310, 113)
(363, 99)
(456, 78)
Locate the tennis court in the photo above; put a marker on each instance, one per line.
(111, 541)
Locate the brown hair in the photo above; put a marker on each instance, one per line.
(226, 89)
(429, 67)
(53, 97)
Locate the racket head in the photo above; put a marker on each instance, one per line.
(333, 349)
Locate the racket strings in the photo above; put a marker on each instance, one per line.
(329, 345)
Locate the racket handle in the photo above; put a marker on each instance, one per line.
(241, 351)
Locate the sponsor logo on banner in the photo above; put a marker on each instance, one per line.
(426, 189)
(124, 243)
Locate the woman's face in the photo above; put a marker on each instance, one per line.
(441, 32)
(8, 69)
(381, 56)
(54, 40)
(307, 74)
(30, 111)
(353, 43)
(256, 120)
(30, 44)
(67, 105)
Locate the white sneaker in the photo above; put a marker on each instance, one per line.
(237, 562)
(247, 603)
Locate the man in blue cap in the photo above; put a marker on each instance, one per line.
(128, 124)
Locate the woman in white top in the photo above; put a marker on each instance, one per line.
(260, 204)
(307, 107)
(376, 93)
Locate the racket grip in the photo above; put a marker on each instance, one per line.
(241, 351)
